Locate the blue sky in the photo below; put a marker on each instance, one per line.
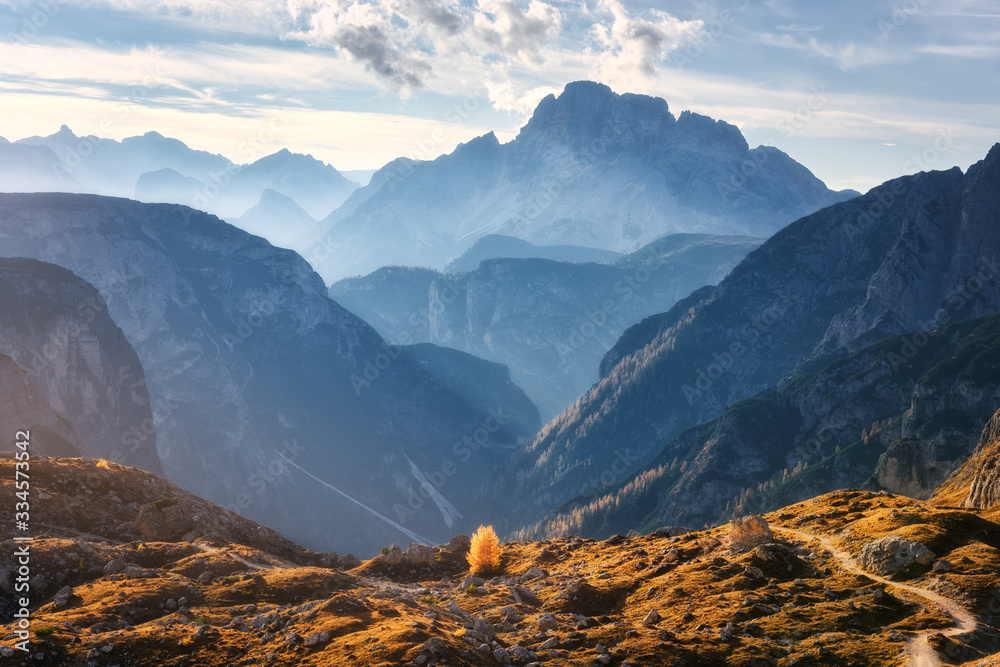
(858, 91)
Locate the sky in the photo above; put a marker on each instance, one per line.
(859, 91)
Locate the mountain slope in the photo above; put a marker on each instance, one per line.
(897, 415)
(122, 586)
(67, 373)
(591, 168)
(549, 322)
(252, 371)
(811, 290)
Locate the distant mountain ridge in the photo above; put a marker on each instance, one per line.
(498, 246)
(550, 322)
(157, 169)
(591, 168)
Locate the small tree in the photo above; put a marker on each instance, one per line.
(484, 552)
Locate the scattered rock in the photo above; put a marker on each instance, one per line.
(316, 638)
(63, 596)
(942, 566)
(522, 595)
(115, 566)
(652, 618)
(547, 621)
(502, 656)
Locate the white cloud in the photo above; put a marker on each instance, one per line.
(502, 95)
(641, 43)
(847, 56)
(348, 140)
(986, 52)
(506, 28)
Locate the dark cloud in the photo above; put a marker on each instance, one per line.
(653, 43)
(436, 14)
(372, 46)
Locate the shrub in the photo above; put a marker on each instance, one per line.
(44, 631)
(385, 551)
(472, 590)
(484, 552)
(232, 579)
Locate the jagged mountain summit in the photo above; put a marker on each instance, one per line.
(549, 322)
(591, 168)
(258, 380)
(68, 375)
(908, 259)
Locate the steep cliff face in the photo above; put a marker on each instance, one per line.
(28, 410)
(69, 374)
(549, 322)
(977, 482)
(789, 302)
(591, 168)
(253, 370)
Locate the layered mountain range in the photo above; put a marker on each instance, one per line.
(549, 321)
(267, 396)
(154, 168)
(591, 168)
(800, 329)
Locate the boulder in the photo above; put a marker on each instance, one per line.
(420, 554)
(460, 544)
(749, 532)
(394, 556)
(349, 561)
(890, 556)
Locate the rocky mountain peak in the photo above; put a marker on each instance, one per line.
(586, 111)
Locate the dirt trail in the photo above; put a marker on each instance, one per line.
(918, 650)
(230, 552)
